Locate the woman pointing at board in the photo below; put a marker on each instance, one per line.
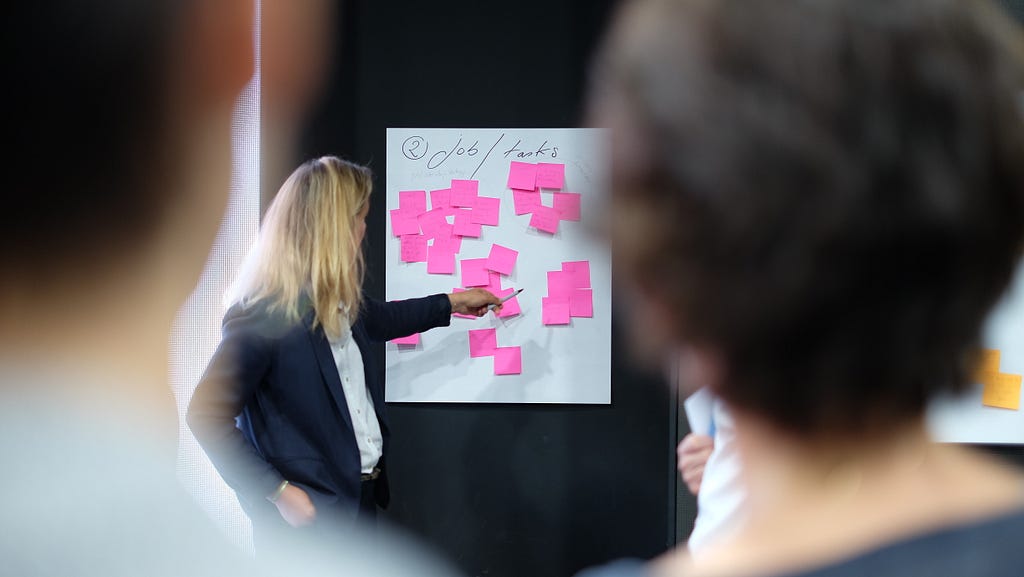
(291, 407)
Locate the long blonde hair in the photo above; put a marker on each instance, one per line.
(307, 246)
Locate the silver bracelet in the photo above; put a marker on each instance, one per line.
(273, 497)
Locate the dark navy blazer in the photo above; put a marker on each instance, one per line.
(271, 407)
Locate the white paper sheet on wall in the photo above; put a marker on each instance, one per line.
(967, 418)
(501, 209)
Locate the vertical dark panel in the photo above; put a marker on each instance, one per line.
(503, 490)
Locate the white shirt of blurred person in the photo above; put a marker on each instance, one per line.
(710, 466)
(109, 238)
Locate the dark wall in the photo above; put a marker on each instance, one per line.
(503, 490)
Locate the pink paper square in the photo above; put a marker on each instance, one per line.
(403, 223)
(581, 303)
(493, 283)
(474, 272)
(414, 248)
(579, 270)
(560, 284)
(508, 361)
(555, 311)
(434, 223)
(502, 259)
(440, 260)
(441, 198)
(509, 308)
(448, 240)
(414, 201)
(522, 175)
(482, 342)
(550, 175)
(464, 193)
(545, 218)
(486, 210)
(568, 205)
(525, 200)
(464, 225)
(411, 340)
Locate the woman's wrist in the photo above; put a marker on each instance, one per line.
(273, 497)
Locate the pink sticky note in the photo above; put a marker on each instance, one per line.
(474, 272)
(493, 283)
(555, 311)
(545, 218)
(486, 210)
(550, 174)
(433, 223)
(460, 315)
(482, 342)
(464, 225)
(414, 201)
(509, 308)
(414, 248)
(502, 259)
(508, 361)
(403, 223)
(441, 198)
(447, 239)
(411, 340)
(440, 260)
(525, 200)
(464, 193)
(579, 270)
(560, 284)
(581, 303)
(522, 176)
(568, 205)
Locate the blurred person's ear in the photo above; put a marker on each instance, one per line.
(698, 367)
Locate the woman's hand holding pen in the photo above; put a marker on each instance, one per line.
(475, 302)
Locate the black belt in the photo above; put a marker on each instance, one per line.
(371, 476)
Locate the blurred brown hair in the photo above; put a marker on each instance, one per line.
(828, 193)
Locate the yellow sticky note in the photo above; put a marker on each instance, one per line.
(988, 361)
(1002, 391)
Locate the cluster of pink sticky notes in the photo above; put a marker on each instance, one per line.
(569, 294)
(484, 343)
(409, 341)
(526, 181)
(487, 272)
(434, 235)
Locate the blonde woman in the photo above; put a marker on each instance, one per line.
(291, 408)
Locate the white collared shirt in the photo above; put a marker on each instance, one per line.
(360, 405)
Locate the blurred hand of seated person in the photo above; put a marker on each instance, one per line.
(693, 453)
(831, 200)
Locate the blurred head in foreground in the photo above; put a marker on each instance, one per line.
(831, 195)
(122, 119)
